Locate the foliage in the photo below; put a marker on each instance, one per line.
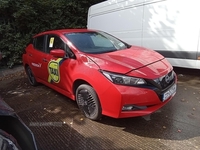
(21, 19)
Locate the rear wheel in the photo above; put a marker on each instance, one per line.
(88, 102)
(31, 77)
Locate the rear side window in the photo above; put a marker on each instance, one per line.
(39, 43)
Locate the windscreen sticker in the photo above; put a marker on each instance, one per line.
(51, 42)
(54, 70)
(121, 44)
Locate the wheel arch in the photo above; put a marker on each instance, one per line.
(25, 66)
(81, 85)
(77, 83)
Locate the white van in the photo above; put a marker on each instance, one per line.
(171, 27)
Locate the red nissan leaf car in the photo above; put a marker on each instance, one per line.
(103, 74)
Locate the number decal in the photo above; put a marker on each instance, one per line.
(54, 71)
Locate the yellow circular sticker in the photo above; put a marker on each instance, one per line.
(54, 71)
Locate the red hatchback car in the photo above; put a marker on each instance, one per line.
(103, 74)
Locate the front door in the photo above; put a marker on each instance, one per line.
(57, 69)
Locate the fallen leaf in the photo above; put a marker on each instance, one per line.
(181, 75)
(179, 130)
(183, 100)
(164, 127)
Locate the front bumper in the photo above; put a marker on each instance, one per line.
(143, 100)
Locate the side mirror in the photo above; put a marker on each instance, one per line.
(58, 53)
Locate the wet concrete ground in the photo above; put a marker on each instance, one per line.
(58, 124)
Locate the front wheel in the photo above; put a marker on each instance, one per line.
(88, 102)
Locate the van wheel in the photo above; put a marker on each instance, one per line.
(8, 142)
(88, 102)
(31, 77)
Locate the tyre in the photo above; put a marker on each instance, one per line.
(88, 102)
(8, 142)
(31, 77)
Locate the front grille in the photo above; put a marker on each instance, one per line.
(162, 84)
(166, 80)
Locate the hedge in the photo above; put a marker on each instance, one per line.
(21, 19)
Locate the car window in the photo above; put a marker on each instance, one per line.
(39, 43)
(54, 42)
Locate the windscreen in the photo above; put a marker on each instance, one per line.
(95, 42)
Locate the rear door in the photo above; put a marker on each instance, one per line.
(36, 55)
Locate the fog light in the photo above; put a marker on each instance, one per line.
(124, 108)
(133, 107)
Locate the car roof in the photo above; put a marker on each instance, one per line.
(64, 31)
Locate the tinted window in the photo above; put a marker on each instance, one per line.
(39, 43)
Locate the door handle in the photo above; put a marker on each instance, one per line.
(30, 55)
(44, 59)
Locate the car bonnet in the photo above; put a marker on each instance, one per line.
(124, 61)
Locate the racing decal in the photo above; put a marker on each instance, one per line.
(54, 70)
(51, 42)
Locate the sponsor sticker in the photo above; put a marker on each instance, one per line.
(54, 70)
(51, 42)
(36, 65)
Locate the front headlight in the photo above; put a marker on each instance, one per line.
(123, 80)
